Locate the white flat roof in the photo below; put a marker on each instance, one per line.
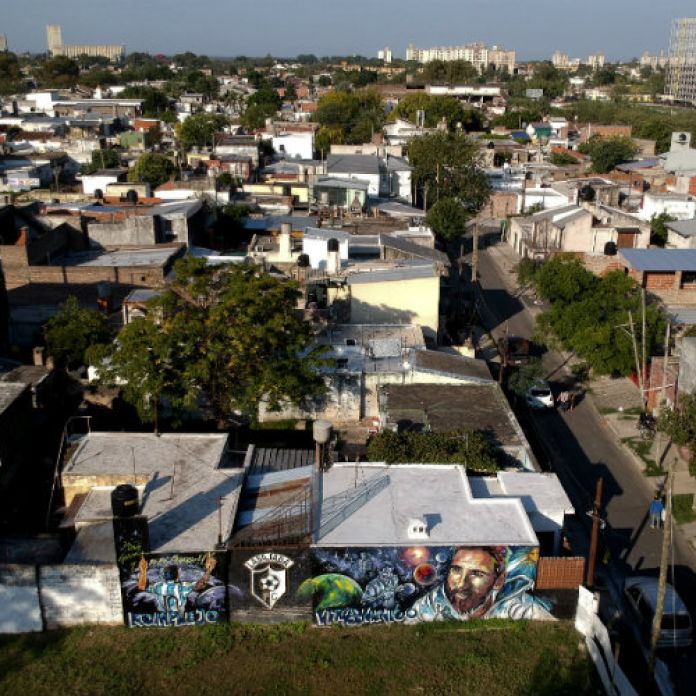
(372, 504)
(542, 494)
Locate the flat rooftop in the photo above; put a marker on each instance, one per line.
(542, 494)
(448, 407)
(372, 504)
(126, 258)
(181, 478)
(9, 393)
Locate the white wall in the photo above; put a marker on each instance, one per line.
(371, 179)
(682, 209)
(317, 251)
(90, 183)
(295, 145)
(19, 598)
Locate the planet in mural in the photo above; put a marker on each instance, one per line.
(333, 590)
(425, 574)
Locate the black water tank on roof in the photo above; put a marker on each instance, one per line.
(610, 249)
(332, 244)
(587, 193)
(303, 260)
(124, 500)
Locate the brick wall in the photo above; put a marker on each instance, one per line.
(560, 573)
(660, 280)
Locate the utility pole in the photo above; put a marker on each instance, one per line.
(635, 353)
(475, 255)
(643, 341)
(596, 521)
(663, 393)
(664, 565)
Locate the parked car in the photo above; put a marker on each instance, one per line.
(539, 396)
(640, 594)
(514, 350)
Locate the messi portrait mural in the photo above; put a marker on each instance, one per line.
(423, 583)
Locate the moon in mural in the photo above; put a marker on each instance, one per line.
(425, 574)
(415, 555)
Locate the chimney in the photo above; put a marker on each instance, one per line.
(285, 241)
(321, 432)
(38, 355)
(333, 256)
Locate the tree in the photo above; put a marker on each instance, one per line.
(102, 159)
(58, 72)
(230, 338)
(680, 423)
(153, 168)
(155, 102)
(71, 331)
(561, 159)
(356, 115)
(11, 80)
(606, 153)
(658, 228)
(447, 218)
(521, 378)
(589, 315)
(199, 129)
(447, 166)
(142, 362)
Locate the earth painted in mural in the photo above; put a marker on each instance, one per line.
(331, 590)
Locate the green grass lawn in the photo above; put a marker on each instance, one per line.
(479, 657)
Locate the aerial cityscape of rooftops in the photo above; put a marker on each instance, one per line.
(353, 341)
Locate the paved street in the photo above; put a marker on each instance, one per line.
(580, 447)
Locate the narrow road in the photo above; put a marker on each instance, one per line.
(580, 447)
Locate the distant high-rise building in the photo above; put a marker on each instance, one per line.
(596, 60)
(54, 37)
(3, 43)
(681, 69)
(559, 60)
(478, 54)
(385, 54)
(56, 47)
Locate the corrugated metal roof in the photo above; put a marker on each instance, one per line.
(660, 259)
(352, 164)
(685, 228)
(267, 460)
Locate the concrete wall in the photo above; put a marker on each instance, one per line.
(80, 594)
(687, 366)
(50, 597)
(414, 301)
(135, 230)
(19, 595)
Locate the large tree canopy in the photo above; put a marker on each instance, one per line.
(589, 315)
(220, 339)
(153, 168)
(72, 331)
(446, 165)
(606, 153)
(350, 117)
(447, 218)
(199, 129)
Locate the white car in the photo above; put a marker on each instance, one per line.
(640, 594)
(539, 396)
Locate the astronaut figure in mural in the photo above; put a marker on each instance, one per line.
(473, 589)
(381, 592)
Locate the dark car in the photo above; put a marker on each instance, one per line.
(514, 350)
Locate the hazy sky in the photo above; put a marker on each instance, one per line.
(534, 28)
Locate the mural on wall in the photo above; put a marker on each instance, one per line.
(422, 583)
(263, 581)
(173, 590)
